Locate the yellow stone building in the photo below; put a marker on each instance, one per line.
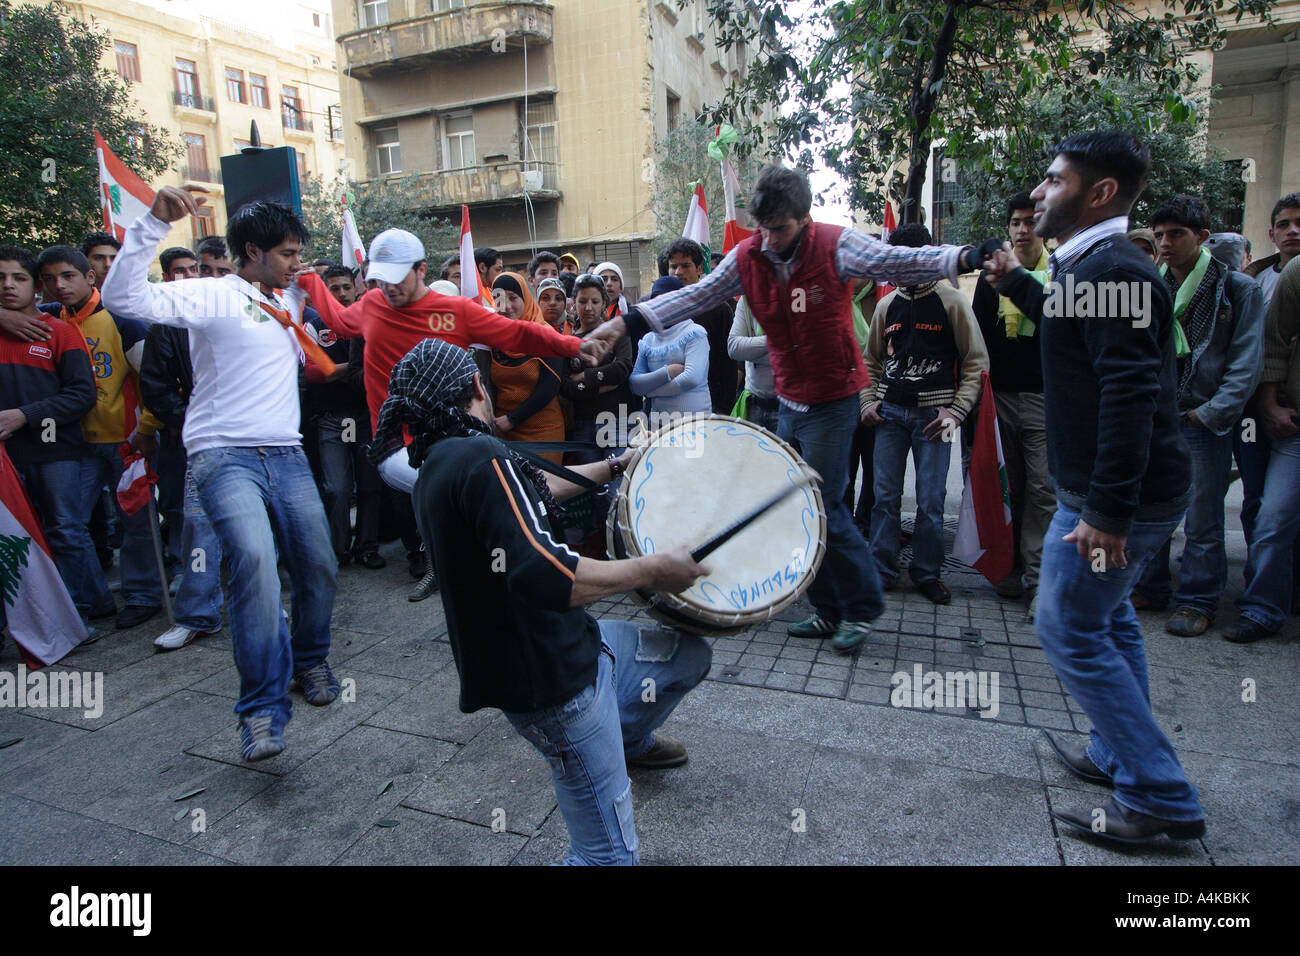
(205, 70)
(541, 117)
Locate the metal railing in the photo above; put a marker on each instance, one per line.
(200, 174)
(193, 101)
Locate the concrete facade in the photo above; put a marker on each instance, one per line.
(295, 51)
(593, 80)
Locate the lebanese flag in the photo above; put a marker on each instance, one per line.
(41, 616)
(135, 487)
(697, 223)
(123, 196)
(471, 283)
(732, 230)
(353, 251)
(984, 539)
(884, 288)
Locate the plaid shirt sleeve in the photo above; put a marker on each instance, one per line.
(718, 286)
(859, 256)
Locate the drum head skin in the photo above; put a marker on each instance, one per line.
(697, 478)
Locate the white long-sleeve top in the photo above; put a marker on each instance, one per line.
(245, 362)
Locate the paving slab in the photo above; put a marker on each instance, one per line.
(424, 839)
(432, 709)
(33, 737)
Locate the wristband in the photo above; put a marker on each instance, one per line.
(615, 467)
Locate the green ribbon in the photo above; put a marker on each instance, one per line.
(861, 324)
(1183, 298)
(721, 145)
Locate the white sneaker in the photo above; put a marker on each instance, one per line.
(177, 637)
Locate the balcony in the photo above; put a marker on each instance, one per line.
(193, 106)
(200, 175)
(446, 37)
(498, 183)
(295, 123)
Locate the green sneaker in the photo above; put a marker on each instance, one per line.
(814, 627)
(850, 635)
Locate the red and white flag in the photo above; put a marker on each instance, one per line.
(135, 487)
(890, 224)
(471, 283)
(732, 231)
(41, 616)
(354, 253)
(984, 537)
(697, 222)
(123, 196)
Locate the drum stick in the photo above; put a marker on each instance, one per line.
(722, 537)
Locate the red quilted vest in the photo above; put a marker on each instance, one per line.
(808, 323)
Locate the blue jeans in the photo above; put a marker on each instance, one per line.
(899, 433)
(1267, 598)
(343, 464)
(1203, 573)
(769, 418)
(1252, 460)
(198, 598)
(847, 587)
(1087, 626)
(54, 487)
(140, 584)
(256, 497)
(643, 673)
(170, 465)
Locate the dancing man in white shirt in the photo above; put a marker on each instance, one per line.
(241, 434)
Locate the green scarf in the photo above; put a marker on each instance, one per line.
(1183, 298)
(1015, 321)
(861, 324)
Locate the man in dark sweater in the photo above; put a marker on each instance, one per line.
(1122, 474)
(46, 388)
(1016, 374)
(588, 695)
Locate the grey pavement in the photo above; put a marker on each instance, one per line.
(797, 755)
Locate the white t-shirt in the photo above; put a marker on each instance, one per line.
(245, 362)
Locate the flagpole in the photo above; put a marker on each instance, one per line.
(158, 556)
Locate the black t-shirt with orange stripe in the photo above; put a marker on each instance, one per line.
(505, 580)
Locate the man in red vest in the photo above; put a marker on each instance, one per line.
(796, 274)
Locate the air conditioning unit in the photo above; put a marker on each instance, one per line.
(533, 179)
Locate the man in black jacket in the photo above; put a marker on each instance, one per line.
(1122, 475)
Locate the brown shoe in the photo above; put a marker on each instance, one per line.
(1141, 603)
(666, 753)
(1187, 622)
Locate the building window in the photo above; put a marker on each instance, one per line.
(302, 165)
(334, 112)
(204, 224)
(315, 19)
(128, 61)
(388, 151)
(291, 109)
(541, 152)
(1231, 218)
(187, 84)
(242, 144)
(445, 6)
(949, 194)
(458, 140)
(674, 110)
(196, 158)
(627, 256)
(235, 85)
(374, 13)
(257, 86)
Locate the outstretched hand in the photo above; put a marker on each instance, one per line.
(997, 266)
(172, 203)
(597, 343)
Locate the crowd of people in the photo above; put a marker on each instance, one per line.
(274, 398)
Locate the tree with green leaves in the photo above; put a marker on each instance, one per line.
(54, 96)
(682, 160)
(879, 81)
(377, 205)
(1182, 160)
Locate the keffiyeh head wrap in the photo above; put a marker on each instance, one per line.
(423, 393)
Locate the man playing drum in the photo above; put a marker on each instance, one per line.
(795, 275)
(588, 695)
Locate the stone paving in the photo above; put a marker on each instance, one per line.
(797, 755)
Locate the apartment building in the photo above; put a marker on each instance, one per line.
(542, 117)
(206, 70)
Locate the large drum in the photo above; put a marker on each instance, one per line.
(694, 479)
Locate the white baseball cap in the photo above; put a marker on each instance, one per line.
(392, 254)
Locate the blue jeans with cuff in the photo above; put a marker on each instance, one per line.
(1090, 632)
(257, 498)
(643, 674)
(901, 432)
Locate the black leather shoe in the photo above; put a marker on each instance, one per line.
(1115, 823)
(935, 591)
(108, 610)
(372, 560)
(1076, 760)
(1246, 631)
(133, 615)
(417, 564)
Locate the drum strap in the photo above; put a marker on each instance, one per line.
(532, 451)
